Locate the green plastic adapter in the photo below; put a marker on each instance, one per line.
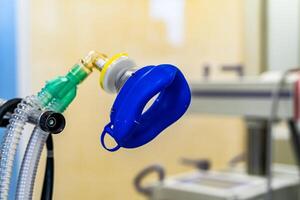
(58, 93)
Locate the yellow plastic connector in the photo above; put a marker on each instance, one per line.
(108, 64)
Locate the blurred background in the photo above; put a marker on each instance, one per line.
(40, 39)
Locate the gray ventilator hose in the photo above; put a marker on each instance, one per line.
(11, 141)
(28, 171)
(30, 164)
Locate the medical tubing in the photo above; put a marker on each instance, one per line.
(7, 107)
(31, 160)
(47, 190)
(11, 140)
(30, 164)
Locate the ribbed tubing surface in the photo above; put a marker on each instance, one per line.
(30, 164)
(11, 140)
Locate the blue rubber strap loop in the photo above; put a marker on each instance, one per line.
(107, 130)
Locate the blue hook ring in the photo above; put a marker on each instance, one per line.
(107, 130)
(130, 126)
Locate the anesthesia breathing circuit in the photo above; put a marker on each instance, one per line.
(132, 124)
